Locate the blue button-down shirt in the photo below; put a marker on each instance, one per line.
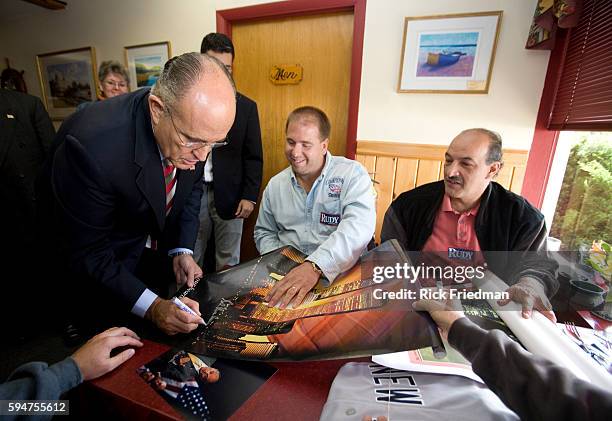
(332, 224)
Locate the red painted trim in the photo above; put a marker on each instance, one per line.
(223, 25)
(285, 8)
(544, 144)
(355, 86)
(226, 18)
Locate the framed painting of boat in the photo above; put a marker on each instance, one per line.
(449, 53)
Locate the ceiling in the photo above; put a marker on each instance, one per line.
(11, 10)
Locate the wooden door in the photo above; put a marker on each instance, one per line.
(322, 45)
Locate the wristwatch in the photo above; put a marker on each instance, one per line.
(316, 268)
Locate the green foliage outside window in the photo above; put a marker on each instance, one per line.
(584, 209)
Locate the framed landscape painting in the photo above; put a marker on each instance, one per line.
(449, 53)
(67, 79)
(145, 62)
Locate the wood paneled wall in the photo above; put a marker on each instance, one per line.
(397, 167)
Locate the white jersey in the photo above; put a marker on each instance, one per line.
(368, 389)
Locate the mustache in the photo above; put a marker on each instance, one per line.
(455, 179)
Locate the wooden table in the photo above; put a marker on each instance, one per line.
(297, 391)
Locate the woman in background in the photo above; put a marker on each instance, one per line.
(114, 81)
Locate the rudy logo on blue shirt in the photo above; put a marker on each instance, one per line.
(329, 219)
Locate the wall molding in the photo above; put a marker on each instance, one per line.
(426, 151)
(396, 167)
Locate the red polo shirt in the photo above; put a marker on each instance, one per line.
(453, 229)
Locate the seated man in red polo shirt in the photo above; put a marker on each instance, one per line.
(468, 213)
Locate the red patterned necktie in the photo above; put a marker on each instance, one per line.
(170, 180)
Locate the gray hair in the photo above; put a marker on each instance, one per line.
(111, 66)
(182, 72)
(495, 152)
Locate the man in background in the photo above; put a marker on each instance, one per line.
(232, 174)
(26, 134)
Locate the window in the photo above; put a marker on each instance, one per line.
(583, 98)
(579, 194)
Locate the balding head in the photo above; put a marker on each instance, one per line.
(193, 104)
(494, 150)
(181, 73)
(472, 160)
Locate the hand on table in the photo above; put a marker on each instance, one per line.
(530, 294)
(171, 319)
(186, 270)
(94, 359)
(245, 207)
(294, 286)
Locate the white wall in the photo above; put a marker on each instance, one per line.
(107, 25)
(510, 107)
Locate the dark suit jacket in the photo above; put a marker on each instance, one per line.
(109, 193)
(237, 166)
(26, 134)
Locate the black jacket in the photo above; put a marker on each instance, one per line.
(26, 134)
(507, 228)
(237, 167)
(108, 190)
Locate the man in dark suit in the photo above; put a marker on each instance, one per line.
(127, 175)
(26, 134)
(232, 176)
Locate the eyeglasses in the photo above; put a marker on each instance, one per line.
(113, 84)
(194, 145)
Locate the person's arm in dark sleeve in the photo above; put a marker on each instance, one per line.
(531, 386)
(37, 380)
(392, 228)
(45, 132)
(252, 157)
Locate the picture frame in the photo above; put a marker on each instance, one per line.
(145, 62)
(449, 53)
(67, 78)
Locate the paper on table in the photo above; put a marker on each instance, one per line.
(423, 361)
(541, 337)
(538, 335)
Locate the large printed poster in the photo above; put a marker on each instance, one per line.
(352, 317)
